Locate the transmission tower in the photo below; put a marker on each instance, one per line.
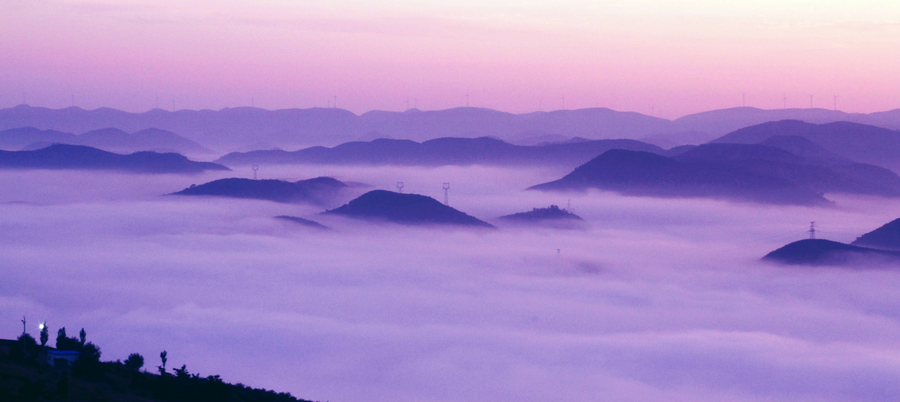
(812, 230)
(447, 194)
(255, 168)
(400, 187)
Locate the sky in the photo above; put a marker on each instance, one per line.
(655, 57)
(657, 299)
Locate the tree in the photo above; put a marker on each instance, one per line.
(63, 342)
(83, 336)
(163, 356)
(45, 335)
(134, 362)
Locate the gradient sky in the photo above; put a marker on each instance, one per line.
(651, 56)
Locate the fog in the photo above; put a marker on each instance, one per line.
(658, 299)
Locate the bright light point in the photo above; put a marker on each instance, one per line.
(41, 326)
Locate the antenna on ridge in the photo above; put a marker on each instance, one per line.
(785, 101)
(810, 101)
(812, 230)
(23, 324)
(447, 194)
(467, 98)
(255, 168)
(835, 102)
(743, 100)
(400, 187)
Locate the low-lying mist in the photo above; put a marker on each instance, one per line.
(656, 299)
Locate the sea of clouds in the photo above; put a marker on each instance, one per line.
(658, 299)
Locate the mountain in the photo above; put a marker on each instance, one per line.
(857, 142)
(827, 252)
(77, 157)
(409, 209)
(318, 191)
(886, 237)
(439, 152)
(107, 139)
(238, 128)
(647, 174)
(724, 121)
(552, 216)
(822, 172)
(303, 222)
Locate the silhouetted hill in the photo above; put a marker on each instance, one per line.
(827, 252)
(76, 157)
(108, 139)
(821, 174)
(805, 148)
(441, 151)
(405, 209)
(644, 173)
(857, 142)
(318, 191)
(552, 212)
(304, 222)
(886, 237)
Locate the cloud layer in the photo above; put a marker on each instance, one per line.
(657, 299)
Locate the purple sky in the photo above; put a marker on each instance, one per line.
(649, 56)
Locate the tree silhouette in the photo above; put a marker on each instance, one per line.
(45, 335)
(134, 362)
(88, 363)
(83, 336)
(163, 356)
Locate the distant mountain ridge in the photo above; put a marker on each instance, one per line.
(77, 157)
(440, 152)
(857, 142)
(237, 128)
(647, 174)
(107, 139)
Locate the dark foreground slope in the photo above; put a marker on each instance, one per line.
(647, 174)
(410, 209)
(886, 237)
(303, 222)
(318, 191)
(25, 376)
(440, 152)
(76, 157)
(827, 252)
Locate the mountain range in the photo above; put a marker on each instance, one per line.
(853, 141)
(246, 128)
(826, 252)
(647, 174)
(440, 152)
(107, 139)
(77, 157)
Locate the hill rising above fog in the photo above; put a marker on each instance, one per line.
(409, 209)
(826, 252)
(318, 191)
(440, 152)
(252, 128)
(886, 237)
(108, 139)
(857, 142)
(76, 157)
(647, 174)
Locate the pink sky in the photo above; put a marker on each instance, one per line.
(518, 56)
